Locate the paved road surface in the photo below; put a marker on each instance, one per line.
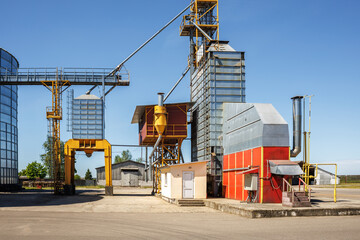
(133, 214)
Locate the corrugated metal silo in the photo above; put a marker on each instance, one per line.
(219, 78)
(88, 117)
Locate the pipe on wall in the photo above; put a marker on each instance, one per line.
(297, 128)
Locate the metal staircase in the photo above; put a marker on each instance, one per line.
(292, 197)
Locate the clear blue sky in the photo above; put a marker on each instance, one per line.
(292, 48)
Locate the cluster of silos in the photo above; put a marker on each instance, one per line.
(220, 78)
(8, 125)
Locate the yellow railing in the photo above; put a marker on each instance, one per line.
(316, 174)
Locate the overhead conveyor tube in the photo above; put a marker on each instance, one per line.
(202, 31)
(297, 115)
(155, 146)
(151, 38)
(177, 83)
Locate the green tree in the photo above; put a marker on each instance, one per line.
(46, 158)
(140, 160)
(88, 175)
(125, 156)
(117, 159)
(77, 177)
(35, 170)
(22, 172)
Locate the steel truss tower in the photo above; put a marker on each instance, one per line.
(54, 115)
(217, 75)
(202, 26)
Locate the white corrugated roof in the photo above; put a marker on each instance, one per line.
(87, 96)
(223, 46)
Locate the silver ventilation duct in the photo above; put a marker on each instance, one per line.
(161, 99)
(297, 116)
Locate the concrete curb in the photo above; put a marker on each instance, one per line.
(291, 212)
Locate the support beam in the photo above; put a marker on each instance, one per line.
(88, 146)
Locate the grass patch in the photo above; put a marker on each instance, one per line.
(350, 178)
(348, 185)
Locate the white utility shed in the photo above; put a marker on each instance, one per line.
(184, 181)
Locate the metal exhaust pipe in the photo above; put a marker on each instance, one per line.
(161, 99)
(297, 128)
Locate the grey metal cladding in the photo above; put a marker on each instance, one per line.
(250, 125)
(88, 118)
(219, 79)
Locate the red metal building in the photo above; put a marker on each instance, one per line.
(256, 153)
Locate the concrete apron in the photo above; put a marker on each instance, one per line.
(264, 211)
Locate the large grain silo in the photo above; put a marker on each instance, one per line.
(8, 125)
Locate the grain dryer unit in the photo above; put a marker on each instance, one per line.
(256, 153)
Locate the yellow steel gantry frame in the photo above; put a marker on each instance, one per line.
(54, 115)
(199, 11)
(88, 146)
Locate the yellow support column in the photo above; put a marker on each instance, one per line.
(108, 171)
(67, 152)
(69, 187)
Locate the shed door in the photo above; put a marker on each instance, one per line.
(134, 179)
(188, 184)
(130, 178)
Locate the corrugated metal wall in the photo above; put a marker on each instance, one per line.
(220, 79)
(233, 182)
(87, 119)
(120, 169)
(251, 125)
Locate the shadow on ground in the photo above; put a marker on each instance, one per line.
(28, 198)
(133, 195)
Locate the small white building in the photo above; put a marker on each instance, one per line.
(184, 181)
(325, 178)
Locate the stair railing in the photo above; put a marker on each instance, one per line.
(289, 188)
(305, 186)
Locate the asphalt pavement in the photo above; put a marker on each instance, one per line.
(135, 214)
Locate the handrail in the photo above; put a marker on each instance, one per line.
(292, 190)
(305, 187)
(288, 185)
(316, 174)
